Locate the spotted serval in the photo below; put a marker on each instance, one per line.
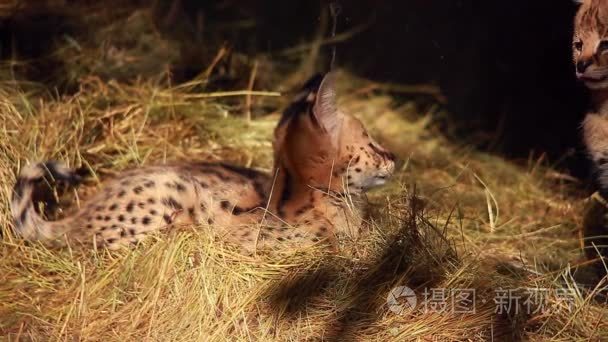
(590, 52)
(324, 162)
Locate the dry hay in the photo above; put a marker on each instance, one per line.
(452, 218)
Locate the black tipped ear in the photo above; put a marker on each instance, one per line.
(325, 108)
(578, 2)
(303, 99)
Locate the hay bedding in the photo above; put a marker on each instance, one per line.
(451, 219)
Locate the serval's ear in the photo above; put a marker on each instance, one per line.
(578, 2)
(325, 109)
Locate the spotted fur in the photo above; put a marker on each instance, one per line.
(324, 161)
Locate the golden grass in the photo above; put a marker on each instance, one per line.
(452, 218)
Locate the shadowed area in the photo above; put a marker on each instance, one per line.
(504, 68)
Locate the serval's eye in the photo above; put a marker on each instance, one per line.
(578, 45)
(603, 46)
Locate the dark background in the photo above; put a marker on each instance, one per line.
(504, 66)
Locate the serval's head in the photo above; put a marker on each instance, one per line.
(590, 43)
(321, 146)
